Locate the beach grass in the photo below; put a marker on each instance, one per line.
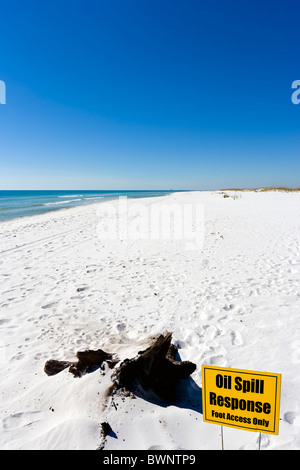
(265, 189)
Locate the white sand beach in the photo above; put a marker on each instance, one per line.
(232, 301)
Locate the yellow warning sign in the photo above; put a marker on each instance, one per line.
(242, 399)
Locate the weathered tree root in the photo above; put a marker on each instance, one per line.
(53, 366)
(87, 361)
(154, 368)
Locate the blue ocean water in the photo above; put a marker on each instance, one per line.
(14, 204)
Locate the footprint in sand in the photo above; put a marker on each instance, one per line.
(218, 360)
(121, 327)
(228, 307)
(236, 338)
(289, 416)
(50, 305)
(19, 420)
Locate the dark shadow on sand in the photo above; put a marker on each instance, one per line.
(188, 394)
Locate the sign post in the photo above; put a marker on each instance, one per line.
(243, 399)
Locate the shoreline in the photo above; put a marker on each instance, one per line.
(217, 191)
(77, 206)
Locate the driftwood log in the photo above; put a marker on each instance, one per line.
(155, 368)
(53, 366)
(87, 361)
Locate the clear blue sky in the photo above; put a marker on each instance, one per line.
(149, 94)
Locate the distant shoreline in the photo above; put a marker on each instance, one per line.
(260, 188)
(264, 189)
(27, 203)
(17, 204)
